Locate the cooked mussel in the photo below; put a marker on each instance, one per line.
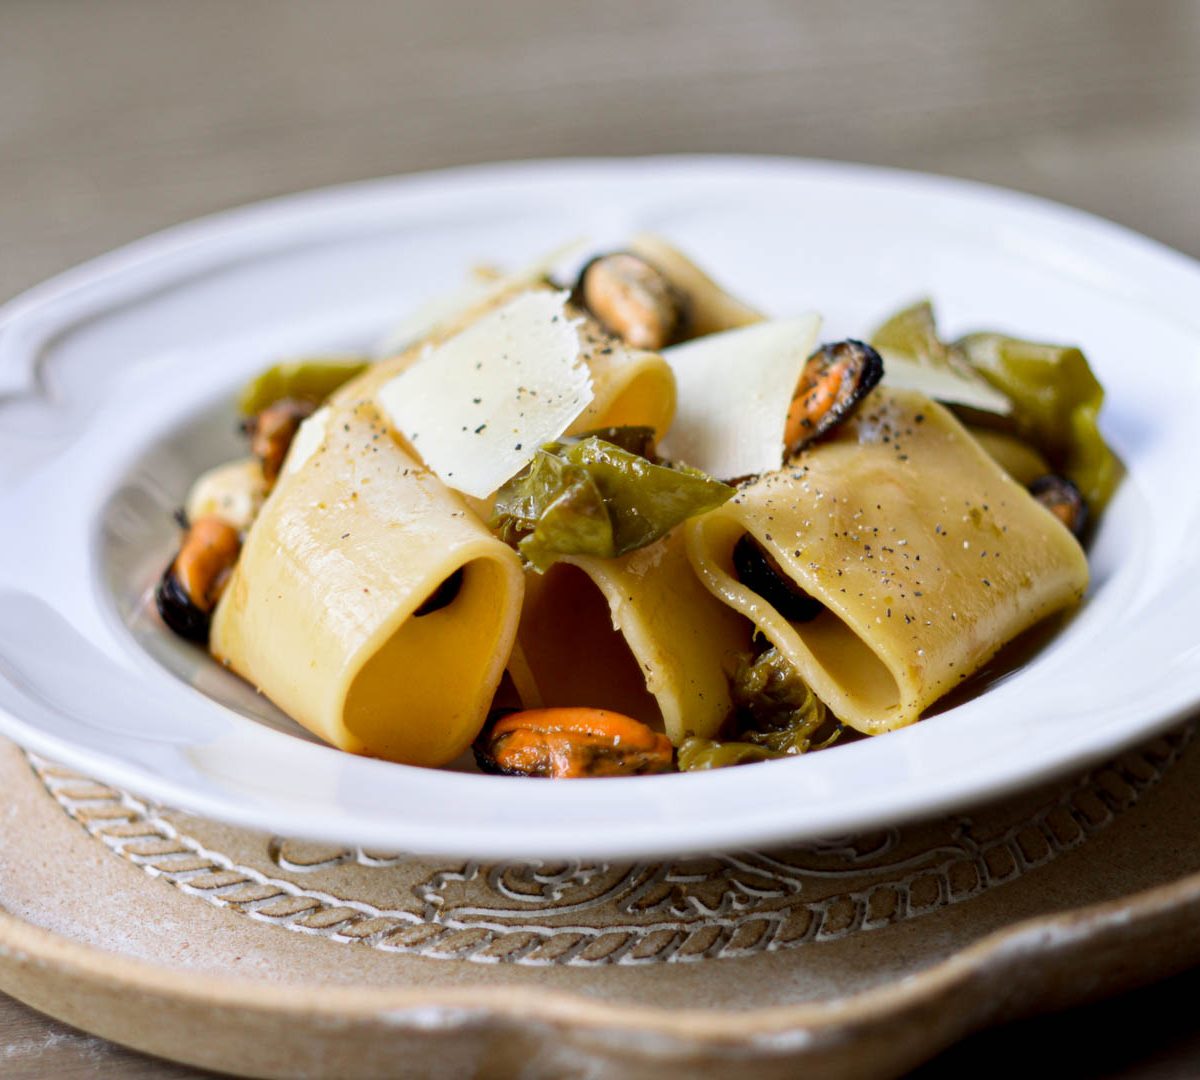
(272, 430)
(570, 743)
(633, 300)
(191, 586)
(1063, 499)
(835, 379)
(758, 571)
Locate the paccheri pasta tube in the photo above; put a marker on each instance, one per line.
(369, 602)
(921, 557)
(638, 634)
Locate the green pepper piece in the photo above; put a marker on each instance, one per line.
(553, 508)
(1056, 401)
(635, 439)
(1055, 397)
(913, 332)
(592, 497)
(695, 754)
(777, 708)
(309, 380)
(775, 715)
(645, 501)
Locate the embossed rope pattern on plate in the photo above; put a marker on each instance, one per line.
(644, 913)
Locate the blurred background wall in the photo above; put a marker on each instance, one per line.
(123, 116)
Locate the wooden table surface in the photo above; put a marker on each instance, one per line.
(120, 118)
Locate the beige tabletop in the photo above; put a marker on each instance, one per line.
(120, 118)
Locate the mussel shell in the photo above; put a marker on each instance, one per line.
(758, 572)
(1063, 499)
(866, 370)
(675, 308)
(177, 610)
(272, 431)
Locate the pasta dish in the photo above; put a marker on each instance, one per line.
(626, 524)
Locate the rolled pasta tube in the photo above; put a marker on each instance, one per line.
(638, 634)
(323, 611)
(630, 386)
(926, 556)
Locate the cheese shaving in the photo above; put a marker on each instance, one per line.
(942, 383)
(476, 408)
(734, 389)
(445, 313)
(308, 440)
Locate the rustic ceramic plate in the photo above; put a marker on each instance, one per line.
(116, 383)
(859, 957)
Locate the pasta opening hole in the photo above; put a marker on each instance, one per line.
(573, 654)
(443, 596)
(841, 667)
(850, 664)
(424, 693)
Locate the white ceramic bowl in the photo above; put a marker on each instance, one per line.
(116, 387)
